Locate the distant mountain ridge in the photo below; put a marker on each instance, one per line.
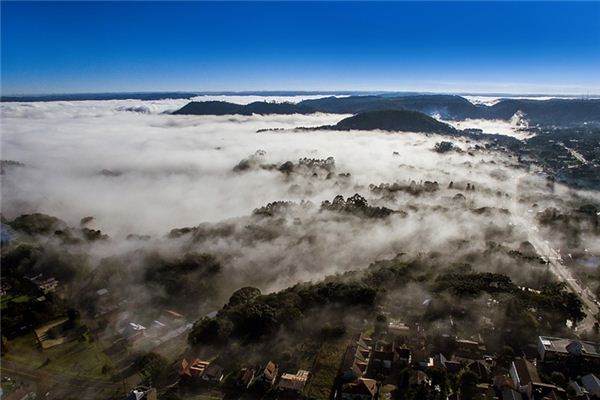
(226, 108)
(451, 107)
(447, 106)
(147, 96)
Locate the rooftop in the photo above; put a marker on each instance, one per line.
(195, 367)
(362, 386)
(294, 382)
(591, 382)
(526, 371)
(569, 346)
(270, 370)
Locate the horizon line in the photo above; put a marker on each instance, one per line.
(291, 92)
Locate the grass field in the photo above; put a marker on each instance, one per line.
(74, 359)
(325, 368)
(17, 299)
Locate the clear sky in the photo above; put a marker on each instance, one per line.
(538, 47)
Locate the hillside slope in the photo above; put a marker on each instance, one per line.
(394, 120)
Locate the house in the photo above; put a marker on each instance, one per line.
(294, 382)
(591, 383)
(524, 375)
(213, 373)
(53, 333)
(48, 285)
(381, 359)
(356, 358)
(556, 349)
(193, 368)
(268, 374)
(245, 378)
(398, 329)
(361, 389)
(469, 349)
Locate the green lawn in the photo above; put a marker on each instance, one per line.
(173, 349)
(17, 299)
(76, 359)
(303, 355)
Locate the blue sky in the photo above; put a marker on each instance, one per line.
(538, 47)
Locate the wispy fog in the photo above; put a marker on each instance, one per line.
(138, 170)
(247, 99)
(491, 100)
(513, 127)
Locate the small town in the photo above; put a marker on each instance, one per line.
(299, 200)
(384, 359)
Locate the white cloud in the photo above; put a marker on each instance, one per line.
(176, 171)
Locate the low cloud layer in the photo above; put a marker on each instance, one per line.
(138, 170)
(514, 127)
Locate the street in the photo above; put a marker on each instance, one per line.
(557, 267)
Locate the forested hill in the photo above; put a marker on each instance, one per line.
(394, 120)
(258, 107)
(562, 112)
(447, 106)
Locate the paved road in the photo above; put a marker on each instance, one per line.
(576, 154)
(563, 273)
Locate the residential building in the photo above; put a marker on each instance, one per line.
(524, 375)
(381, 359)
(591, 383)
(213, 373)
(47, 285)
(268, 374)
(469, 349)
(356, 358)
(556, 349)
(398, 329)
(294, 382)
(245, 378)
(361, 389)
(193, 368)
